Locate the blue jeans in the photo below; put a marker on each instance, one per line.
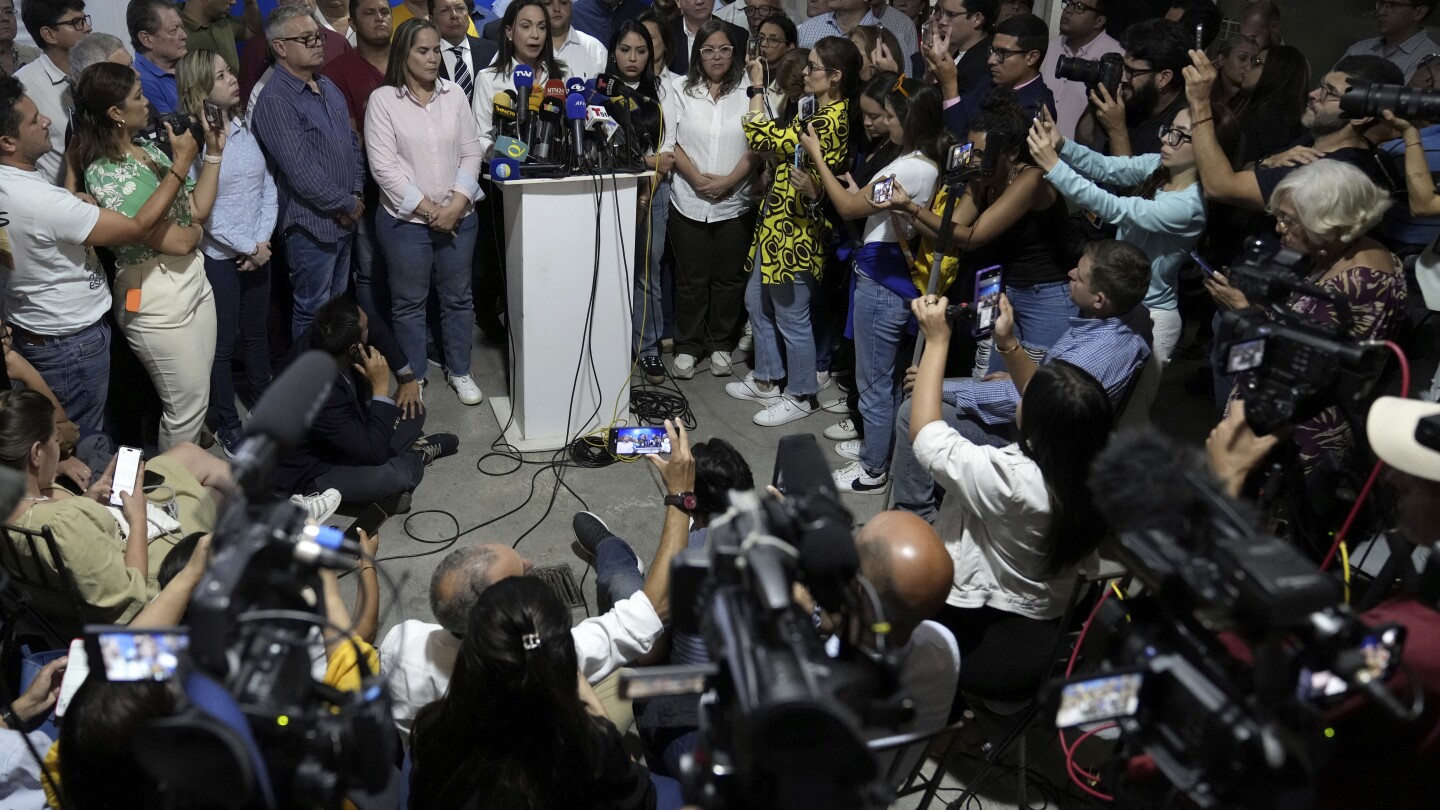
(414, 255)
(649, 310)
(242, 308)
(914, 488)
(881, 318)
(617, 572)
(319, 272)
(783, 310)
(371, 292)
(77, 369)
(1042, 315)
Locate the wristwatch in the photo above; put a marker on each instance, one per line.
(754, 90)
(685, 500)
(406, 378)
(12, 721)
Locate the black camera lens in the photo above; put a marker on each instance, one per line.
(1105, 71)
(1364, 100)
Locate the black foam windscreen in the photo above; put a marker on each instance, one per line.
(288, 407)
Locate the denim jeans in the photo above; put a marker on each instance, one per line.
(783, 311)
(1042, 315)
(648, 313)
(414, 255)
(77, 369)
(319, 272)
(914, 488)
(371, 292)
(242, 308)
(881, 318)
(617, 572)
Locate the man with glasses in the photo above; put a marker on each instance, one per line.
(693, 14)
(462, 55)
(1332, 135)
(844, 15)
(1083, 35)
(1016, 54)
(303, 124)
(209, 27)
(255, 67)
(964, 28)
(12, 56)
(158, 35)
(55, 25)
(1151, 92)
(1402, 37)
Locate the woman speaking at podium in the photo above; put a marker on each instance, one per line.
(526, 42)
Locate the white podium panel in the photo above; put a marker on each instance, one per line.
(569, 294)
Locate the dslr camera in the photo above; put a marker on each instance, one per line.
(1104, 71)
(1365, 100)
(180, 121)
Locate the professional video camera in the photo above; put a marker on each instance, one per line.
(1218, 675)
(780, 721)
(1289, 367)
(258, 730)
(1366, 100)
(1103, 72)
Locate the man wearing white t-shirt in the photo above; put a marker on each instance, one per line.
(583, 55)
(56, 300)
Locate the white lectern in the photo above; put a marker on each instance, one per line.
(552, 236)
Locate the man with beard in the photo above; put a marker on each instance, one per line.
(1330, 135)
(1150, 92)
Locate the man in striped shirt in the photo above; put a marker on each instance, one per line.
(1109, 340)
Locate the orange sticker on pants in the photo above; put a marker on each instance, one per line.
(132, 300)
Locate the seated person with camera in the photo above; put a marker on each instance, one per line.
(1109, 341)
(366, 440)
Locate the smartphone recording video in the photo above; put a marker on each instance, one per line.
(884, 189)
(988, 289)
(1096, 699)
(125, 654)
(127, 463)
(638, 441)
(806, 108)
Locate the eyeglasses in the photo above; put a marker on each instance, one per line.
(7, 12)
(1172, 136)
(307, 41)
(1286, 221)
(809, 68)
(947, 15)
(1327, 92)
(1135, 73)
(1077, 7)
(1004, 53)
(79, 23)
(722, 52)
(761, 10)
(768, 40)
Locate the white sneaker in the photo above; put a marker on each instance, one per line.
(850, 449)
(836, 405)
(823, 379)
(782, 411)
(852, 478)
(320, 506)
(843, 431)
(752, 389)
(720, 364)
(684, 367)
(747, 339)
(465, 389)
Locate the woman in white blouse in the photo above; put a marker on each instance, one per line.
(1018, 520)
(425, 155)
(714, 214)
(526, 42)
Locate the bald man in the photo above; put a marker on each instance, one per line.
(1261, 22)
(419, 656)
(907, 563)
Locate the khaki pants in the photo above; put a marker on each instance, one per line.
(173, 334)
(621, 711)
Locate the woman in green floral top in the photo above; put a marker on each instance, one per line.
(162, 301)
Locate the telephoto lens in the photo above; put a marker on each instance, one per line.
(1365, 100)
(1093, 72)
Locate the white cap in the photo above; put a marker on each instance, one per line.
(1391, 429)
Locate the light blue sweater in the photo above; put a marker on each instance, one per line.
(1166, 228)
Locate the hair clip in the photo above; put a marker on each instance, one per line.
(530, 641)
(900, 85)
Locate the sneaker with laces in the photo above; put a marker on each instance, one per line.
(747, 340)
(752, 389)
(783, 410)
(835, 405)
(684, 366)
(852, 478)
(319, 506)
(465, 388)
(850, 449)
(653, 368)
(590, 531)
(843, 431)
(436, 445)
(720, 364)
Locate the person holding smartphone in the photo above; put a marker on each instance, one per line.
(885, 280)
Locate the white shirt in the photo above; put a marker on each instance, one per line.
(817, 28)
(917, 175)
(1071, 97)
(21, 785)
(418, 657)
(929, 669)
(488, 82)
(448, 53)
(56, 284)
(583, 55)
(49, 87)
(994, 522)
(709, 132)
(735, 12)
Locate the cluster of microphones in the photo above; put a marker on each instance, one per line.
(562, 127)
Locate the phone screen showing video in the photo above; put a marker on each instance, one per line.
(639, 441)
(1096, 699)
(960, 156)
(987, 300)
(807, 107)
(1245, 355)
(884, 189)
(136, 655)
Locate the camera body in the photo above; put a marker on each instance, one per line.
(1103, 72)
(1366, 100)
(180, 122)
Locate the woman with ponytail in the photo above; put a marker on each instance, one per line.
(519, 728)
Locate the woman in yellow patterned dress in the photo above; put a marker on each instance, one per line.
(787, 254)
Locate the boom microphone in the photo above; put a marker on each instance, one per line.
(1143, 481)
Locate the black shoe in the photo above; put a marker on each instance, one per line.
(437, 445)
(590, 530)
(653, 369)
(397, 504)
